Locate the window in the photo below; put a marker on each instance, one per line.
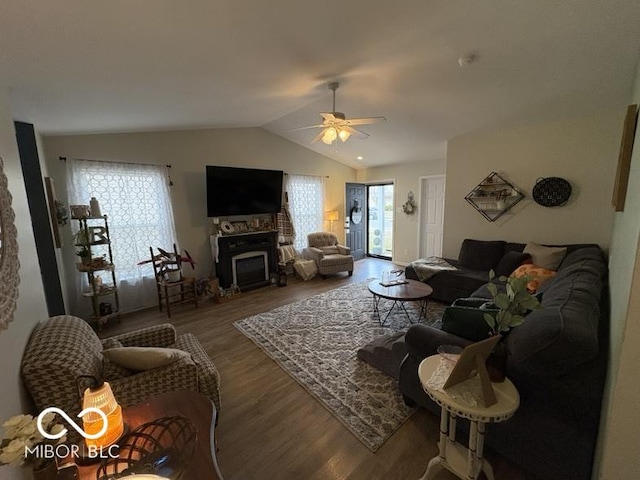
(306, 205)
(137, 202)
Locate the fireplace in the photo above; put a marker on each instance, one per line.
(245, 259)
(250, 268)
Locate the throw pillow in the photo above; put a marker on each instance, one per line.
(538, 275)
(545, 257)
(480, 254)
(144, 358)
(509, 262)
(466, 322)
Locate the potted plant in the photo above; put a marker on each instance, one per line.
(509, 308)
(81, 240)
(84, 252)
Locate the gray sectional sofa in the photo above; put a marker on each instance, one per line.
(475, 259)
(557, 359)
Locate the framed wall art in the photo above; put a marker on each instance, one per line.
(624, 158)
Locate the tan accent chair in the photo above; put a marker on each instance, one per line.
(330, 257)
(62, 348)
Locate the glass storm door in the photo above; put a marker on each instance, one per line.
(380, 220)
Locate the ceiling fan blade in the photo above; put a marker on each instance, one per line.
(355, 132)
(365, 121)
(305, 128)
(318, 137)
(328, 116)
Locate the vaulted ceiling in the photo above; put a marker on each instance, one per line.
(81, 66)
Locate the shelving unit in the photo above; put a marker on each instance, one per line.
(93, 236)
(493, 197)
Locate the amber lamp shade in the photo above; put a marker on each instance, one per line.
(101, 397)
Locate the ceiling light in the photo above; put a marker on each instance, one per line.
(344, 135)
(359, 157)
(330, 134)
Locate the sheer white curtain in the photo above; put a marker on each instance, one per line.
(306, 205)
(137, 201)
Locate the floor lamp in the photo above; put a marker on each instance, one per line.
(332, 216)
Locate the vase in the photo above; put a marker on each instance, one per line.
(497, 363)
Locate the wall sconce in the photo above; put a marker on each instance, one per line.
(99, 395)
(332, 216)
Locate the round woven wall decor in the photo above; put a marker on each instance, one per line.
(551, 191)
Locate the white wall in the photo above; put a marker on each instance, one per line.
(31, 303)
(406, 177)
(188, 152)
(620, 431)
(582, 150)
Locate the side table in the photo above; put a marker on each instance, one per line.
(466, 463)
(197, 408)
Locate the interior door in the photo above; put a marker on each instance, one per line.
(432, 191)
(356, 218)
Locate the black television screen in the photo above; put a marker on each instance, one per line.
(243, 191)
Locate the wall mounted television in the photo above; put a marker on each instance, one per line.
(243, 191)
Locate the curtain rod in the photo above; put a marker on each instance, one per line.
(64, 159)
(325, 176)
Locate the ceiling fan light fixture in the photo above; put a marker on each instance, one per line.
(330, 134)
(344, 135)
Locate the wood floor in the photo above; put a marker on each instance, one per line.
(270, 427)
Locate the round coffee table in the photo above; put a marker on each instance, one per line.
(411, 291)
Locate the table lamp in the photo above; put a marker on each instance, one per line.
(99, 395)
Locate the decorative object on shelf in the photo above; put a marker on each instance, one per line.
(162, 447)
(624, 158)
(240, 227)
(410, 207)
(227, 228)
(95, 207)
(9, 263)
(93, 246)
(551, 191)
(493, 197)
(22, 430)
(79, 211)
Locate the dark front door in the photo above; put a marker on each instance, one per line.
(356, 218)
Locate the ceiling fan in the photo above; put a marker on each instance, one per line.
(335, 125)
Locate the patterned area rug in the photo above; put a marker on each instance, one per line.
(315, 340)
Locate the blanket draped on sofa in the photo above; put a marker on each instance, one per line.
(426, 268)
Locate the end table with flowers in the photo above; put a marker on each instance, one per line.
(20, 432)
